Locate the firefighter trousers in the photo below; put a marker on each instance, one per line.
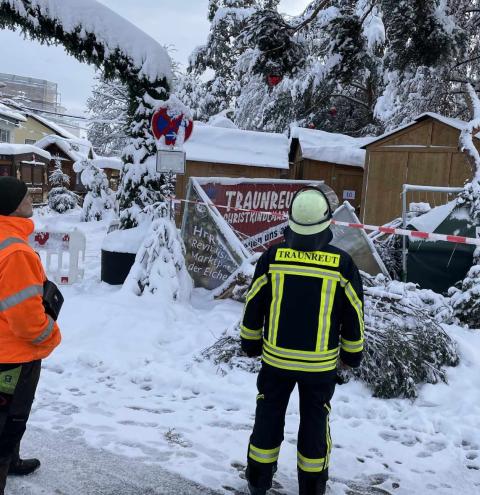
(314, 441)
(18, 383)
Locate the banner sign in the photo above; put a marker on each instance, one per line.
(256, 209)
(213, 252)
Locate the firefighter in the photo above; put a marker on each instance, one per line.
(304, 316)
(27, 333)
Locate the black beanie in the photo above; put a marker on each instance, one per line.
(12, 192)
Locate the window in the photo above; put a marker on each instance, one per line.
(30, 141)
(4, 170)
(4, 136)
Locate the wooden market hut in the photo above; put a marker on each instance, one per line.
(28, 163)
(68, 151)
(335, 158)
(425, 152)
(229, 152)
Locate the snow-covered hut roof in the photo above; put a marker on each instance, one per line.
(52, 125)
(25, 113)
(331, 147)
(23, 149)
(455, 123)
(111, 162)
(237, 147)
(11, 114)
(76, 149)
(114, 32)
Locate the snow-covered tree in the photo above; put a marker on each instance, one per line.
(159, 267)
(360, 67)
(108, 110)
(465, 299)
(219, 54)
(60, 198)
(99, 198)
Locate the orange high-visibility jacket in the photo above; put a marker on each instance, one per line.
(27, 333)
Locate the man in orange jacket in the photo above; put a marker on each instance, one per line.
(27, 333)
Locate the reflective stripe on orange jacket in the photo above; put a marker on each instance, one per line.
(27, 333)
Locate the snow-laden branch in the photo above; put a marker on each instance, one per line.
(89, 20)
(471, 128)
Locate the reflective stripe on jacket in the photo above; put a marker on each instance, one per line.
(27, 333)
(304, 309)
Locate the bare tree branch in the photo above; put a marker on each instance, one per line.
(351, 98)
(314, 14)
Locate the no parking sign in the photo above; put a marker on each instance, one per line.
(167, 124)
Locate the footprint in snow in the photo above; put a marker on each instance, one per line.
(389, 436)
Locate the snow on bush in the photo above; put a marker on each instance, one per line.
(60, 198)
(465, 299)
(389, 249)
(100, 197)
(159, 266)
(405, 344)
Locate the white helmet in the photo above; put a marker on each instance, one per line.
(310, 212)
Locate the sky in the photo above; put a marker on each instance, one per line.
(180, 25)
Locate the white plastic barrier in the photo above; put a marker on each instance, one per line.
(58, 244)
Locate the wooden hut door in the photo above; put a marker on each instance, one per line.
(349, 188)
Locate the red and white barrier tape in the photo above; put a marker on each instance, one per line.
(414, 234)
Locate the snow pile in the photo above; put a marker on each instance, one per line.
(159, 267)
(237, 147)
(85, 18)
(330, 147)
(125, 241)
(99, 198)
(222, 120)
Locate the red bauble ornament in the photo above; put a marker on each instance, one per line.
(311, 125)
(333, 111)
(273, 80)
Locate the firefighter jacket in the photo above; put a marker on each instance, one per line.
(27, 333)
(304, 309)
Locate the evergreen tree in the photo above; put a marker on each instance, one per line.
(108, 108)
(60, 198)
(99, 198)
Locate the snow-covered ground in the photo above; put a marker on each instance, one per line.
(127, 377)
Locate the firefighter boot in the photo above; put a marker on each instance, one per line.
(256, 491)
(22, 467)
(311, 485)
(3, 477)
